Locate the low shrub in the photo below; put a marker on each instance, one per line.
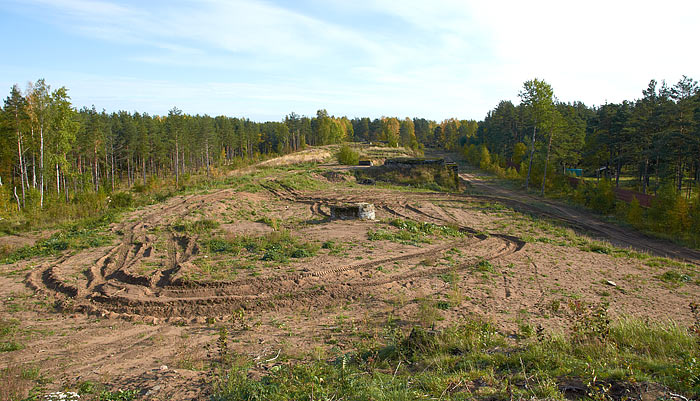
(346, 155)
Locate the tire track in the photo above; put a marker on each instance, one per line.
(113, 288)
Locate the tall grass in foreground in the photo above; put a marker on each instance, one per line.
(599, 360)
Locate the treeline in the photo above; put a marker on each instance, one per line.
(51, 151)
(50, 147)
(652, 143)
(655, 139)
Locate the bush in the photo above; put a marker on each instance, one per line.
(519, 152)
(121, 200)
(512, 174)
(347, 156)
(600, 197)
(669, 211)
(695, 216)
(635, 214)
(484, 158)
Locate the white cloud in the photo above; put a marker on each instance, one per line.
(593, 50)
(436, 59)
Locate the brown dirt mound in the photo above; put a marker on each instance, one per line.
(114, 282)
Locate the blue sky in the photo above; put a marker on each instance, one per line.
(265, 59)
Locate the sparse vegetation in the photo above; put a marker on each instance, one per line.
(233, 252)
(474, 361)
(87, 233)
(413, 233)
(277, 246)
(348, 156)
(196, 227)
(435, 178)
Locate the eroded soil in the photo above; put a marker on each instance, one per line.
(145, 312)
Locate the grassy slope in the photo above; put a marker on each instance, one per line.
(599, 360)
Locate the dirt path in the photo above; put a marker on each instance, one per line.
(581, 220)
(112, 287)
(127, 315)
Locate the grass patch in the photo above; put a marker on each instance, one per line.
(195, 227)
(413, 233)
(675, 277)
(474, 361)
(8, 329)
(277, 246)
(88, 233)
(484, 266)
(434, 178)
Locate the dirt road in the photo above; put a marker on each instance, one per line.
(146, 311)
(580, 220)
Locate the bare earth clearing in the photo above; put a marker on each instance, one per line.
(158, 296)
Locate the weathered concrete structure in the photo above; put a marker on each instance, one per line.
(411, 163)
(358, 211)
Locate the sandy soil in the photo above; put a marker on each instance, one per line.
(130, 314)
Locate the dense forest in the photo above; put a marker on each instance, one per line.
(656, 138)
(52, 152)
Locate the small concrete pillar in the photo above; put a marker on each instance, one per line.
(361, 211)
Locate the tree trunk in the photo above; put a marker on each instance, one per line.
(645, 178)
(41, 167)
(58, 180)
(26, 175)
(618, 167)
(112, 167)
(21, 165)
(96, 178)
(680, 173)
(17, 197)
(532, 155)
(177, 163)
(107, 166)
(128, 170)
(65, 187)
(546, 162)
(206, 146)
(34, 170)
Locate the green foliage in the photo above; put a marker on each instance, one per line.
(348, 156)
(600, 197)
(635, 214)
(121, 200)
(413, 233)
(277, 246)
(8, 328)
(195, 227)
(519, 153)
(88, 233)
(426, 177)
(429, 364)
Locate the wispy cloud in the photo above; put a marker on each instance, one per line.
(367, 57)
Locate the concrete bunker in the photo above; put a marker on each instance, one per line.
(431, 173)
(356, 211)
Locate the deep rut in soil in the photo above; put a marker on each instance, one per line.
(112, 286)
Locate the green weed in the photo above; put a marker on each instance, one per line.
(474, 361)
(88, 233)
(278, 246)
(195, 227)
(412, 232)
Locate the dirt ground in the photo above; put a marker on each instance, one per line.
(145, 312)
